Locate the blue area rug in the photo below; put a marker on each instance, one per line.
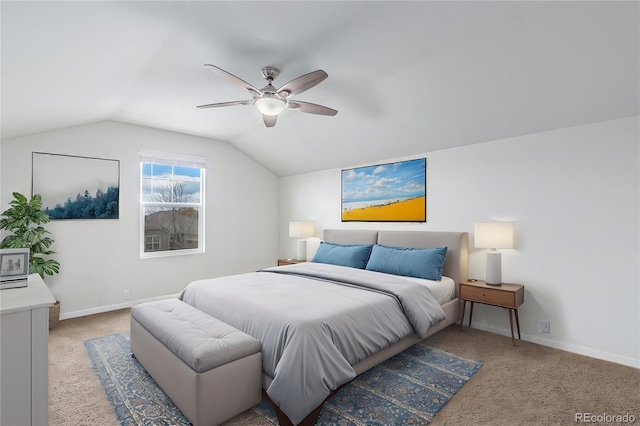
(409, 388)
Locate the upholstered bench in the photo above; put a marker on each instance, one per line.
(210, 370)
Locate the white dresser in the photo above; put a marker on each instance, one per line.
(24, 339)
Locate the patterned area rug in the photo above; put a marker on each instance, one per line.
(409, 388)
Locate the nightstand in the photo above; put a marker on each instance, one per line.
(289, 261)
(508, 296)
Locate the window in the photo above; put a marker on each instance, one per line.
(171, 204)
(151, 243)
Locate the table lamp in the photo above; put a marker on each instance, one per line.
(301, 230)
(495, 235)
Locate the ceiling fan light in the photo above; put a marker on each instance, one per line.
(270, 104)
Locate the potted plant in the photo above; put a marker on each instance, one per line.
(24, 220)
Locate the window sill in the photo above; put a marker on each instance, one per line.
(170, 253)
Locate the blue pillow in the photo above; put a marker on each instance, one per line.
(410, 262)
(354, 256)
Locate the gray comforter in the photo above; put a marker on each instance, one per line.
(315, 321)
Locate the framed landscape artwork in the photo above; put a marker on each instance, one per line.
(393, 192)
(74, 187)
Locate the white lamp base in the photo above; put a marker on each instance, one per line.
(313, 243)
(301, 250)
(494, 268)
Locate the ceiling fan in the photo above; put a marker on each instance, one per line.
(271, 101)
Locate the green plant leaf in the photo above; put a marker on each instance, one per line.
(20, 198)
(23, 219)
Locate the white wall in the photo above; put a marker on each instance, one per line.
(573, 195)
(101, 258)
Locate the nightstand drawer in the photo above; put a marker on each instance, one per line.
(282, 262)
(488, 296)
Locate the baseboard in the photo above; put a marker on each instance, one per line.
(109, 308)
(568, 347)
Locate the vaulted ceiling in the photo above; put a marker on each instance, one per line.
(406, 77)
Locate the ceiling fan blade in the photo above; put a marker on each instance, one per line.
(302, 83)
(311, 108)
(269, 120)
(236, 80)
(225, 104)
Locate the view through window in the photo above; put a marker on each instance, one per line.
(172, 206)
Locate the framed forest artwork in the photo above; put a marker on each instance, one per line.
(393, 192)
(74, 187)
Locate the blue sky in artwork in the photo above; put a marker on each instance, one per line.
(385, 181)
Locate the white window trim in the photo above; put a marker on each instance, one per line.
(173, 160)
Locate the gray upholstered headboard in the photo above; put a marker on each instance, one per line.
(457, 243)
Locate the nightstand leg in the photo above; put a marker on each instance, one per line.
(517, 323)
(470, 314)
(464, 305)
(513, 340)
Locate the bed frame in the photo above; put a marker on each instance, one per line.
(455, 267)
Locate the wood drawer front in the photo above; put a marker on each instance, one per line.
(282, 262)
(487, 295)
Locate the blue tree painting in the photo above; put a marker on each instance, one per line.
(74, 187)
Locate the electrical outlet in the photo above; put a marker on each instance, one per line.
(126, 294)
(544, 326)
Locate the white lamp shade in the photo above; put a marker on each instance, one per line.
(494, 235)
(301, 229)
(270, 104)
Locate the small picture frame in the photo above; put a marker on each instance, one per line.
(14, 267)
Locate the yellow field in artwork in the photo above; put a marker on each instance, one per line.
(412, 210)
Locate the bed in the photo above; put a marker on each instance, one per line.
(321, 324)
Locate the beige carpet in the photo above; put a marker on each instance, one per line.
(526, 384)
